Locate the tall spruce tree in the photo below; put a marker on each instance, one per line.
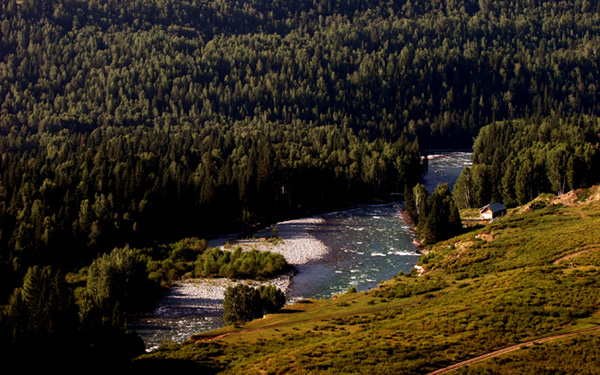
(439, 218)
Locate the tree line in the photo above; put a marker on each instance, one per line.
(66, 197)
(515, 161)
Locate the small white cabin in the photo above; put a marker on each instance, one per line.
(492, 211)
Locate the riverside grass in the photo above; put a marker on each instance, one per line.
(531, 274)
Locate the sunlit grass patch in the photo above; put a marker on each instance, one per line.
(489, 288)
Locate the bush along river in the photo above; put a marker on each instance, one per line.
(363, 246)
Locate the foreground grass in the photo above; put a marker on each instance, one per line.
(532, 274)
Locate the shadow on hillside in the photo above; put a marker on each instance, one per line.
(289, 311)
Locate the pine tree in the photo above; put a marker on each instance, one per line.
(410, 205)
(42, 313)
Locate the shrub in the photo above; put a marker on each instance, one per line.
(252, 264)
(243, 303)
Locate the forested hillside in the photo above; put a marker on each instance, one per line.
(134, 121)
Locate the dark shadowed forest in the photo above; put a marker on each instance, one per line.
(135, 121)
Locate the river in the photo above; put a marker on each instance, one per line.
(367, 244)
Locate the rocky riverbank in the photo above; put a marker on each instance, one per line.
(202, 299)
(294, 241)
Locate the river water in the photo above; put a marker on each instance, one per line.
(445, 167)
(367, 244)
(370, 243)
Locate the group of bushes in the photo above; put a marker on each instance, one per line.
(194, 258)
(243, 303)
(251, 264)
(405, 289)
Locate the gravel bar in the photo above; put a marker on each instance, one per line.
(205, 296)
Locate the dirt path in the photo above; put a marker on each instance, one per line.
(576, 254)
(511, 349)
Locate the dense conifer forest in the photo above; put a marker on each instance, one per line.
(129, 122)
(146, 121)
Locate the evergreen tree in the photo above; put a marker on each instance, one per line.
(410, 206)
(463, 190)
(438, 218)
(42, 313)
(241, 303)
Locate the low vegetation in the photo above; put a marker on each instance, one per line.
(501, 284)
(566, 356)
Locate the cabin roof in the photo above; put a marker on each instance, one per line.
(494, 207)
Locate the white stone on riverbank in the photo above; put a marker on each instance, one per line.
(297, 245)
(205, 296)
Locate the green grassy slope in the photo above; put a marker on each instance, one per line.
(531, 274)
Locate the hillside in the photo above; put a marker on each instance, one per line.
(529, 275)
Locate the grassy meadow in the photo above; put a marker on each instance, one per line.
(531, 274)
